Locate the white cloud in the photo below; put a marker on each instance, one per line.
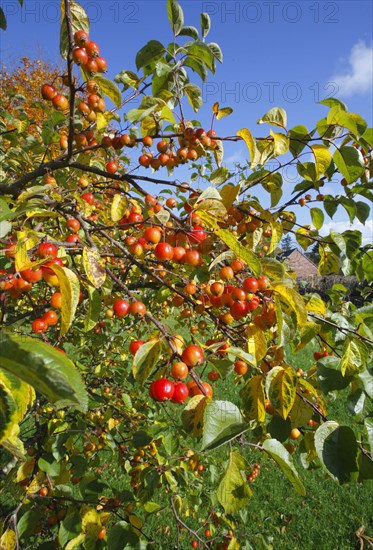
(357, 76)
(366, 230)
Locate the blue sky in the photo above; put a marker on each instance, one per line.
(276, 53)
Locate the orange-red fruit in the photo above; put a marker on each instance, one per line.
(47, 250)
(48, 92)
(181, 392)
(161, 390)
(137, 309)
(193, 355)
(121, 308)
(179, 370)
(80, 38)
(240, 367)
(135, 345)
(39, 325)
(73, 225)
(60, 102)
(250, 284)
(32, 275)
(50, 317)
(56, 300)
(164, 251)
(111, 167)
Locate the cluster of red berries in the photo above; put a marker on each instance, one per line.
(87, 54)
(254, 473)
(121, 308)
(320, 354)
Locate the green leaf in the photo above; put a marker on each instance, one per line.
(362, 211)
(2, 19)
(329, 376)
(367, 137)
(145, 360)
(201, 51)
(367, 265)
(253, 399)
(323, 158)
(129, 79)
(48, 464)
(337, 448)
(123, 537)
(368, 423)
(283, 458)
(281, 386)
(222, 422)
(332, 102)
(175, 16)
(220, 175)
(152, 51)
(299, 136)
(8, 409)
(49, 371)
(233, 492)
(94, 308)
(241, 252)
(194, 95)
(205, 22)
(275, 116)
(198, 67)
(189, 31)
(216, 51)
(317, 216)
(70, 527)
(94, 267)
(79, 21)
(109, 88)
(70, 292)
(350, 163)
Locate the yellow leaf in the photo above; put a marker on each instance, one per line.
(276, 236)
(323, 159)
(25, 469)
(70, 291)
(301, 413)
(192, 415)
(253, 398)
(37, 483)
(103, 120)
(281, 385)
(316, 305)
(118, 207)
(257, 345)
(229, 194)
(136, 523)
(94, 267)
(8, 540)
(251, 145)
(293, 300)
